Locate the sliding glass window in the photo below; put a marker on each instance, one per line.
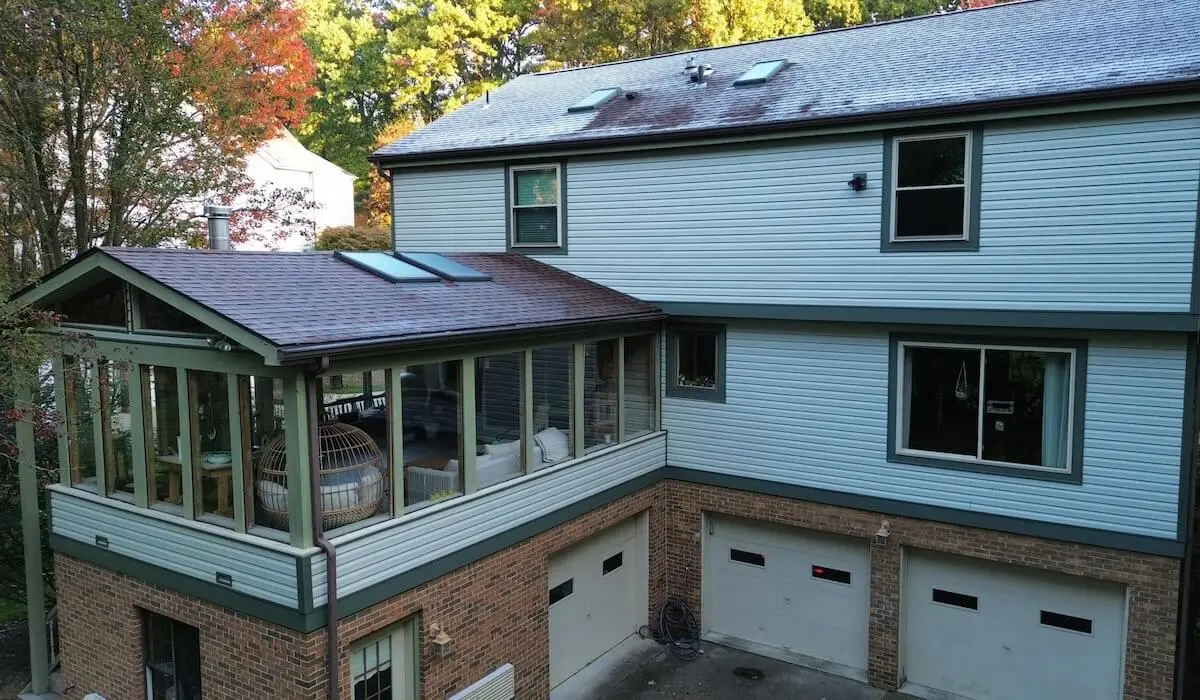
(498, 392)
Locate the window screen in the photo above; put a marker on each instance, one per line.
(535, 206)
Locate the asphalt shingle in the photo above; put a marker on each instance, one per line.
(1038, 48)
(296, 300)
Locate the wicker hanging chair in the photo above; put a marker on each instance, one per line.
(352, 483)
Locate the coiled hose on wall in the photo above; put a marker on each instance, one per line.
(677, 628)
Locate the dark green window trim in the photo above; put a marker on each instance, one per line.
(509, 194)
(1074, 472)
(673, 389)
(974, 178)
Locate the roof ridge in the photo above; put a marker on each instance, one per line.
(230, 251)
(822, 32)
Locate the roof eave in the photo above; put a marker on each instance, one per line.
(299, 354)
(1190, 86)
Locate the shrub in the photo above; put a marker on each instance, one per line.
(353, 238)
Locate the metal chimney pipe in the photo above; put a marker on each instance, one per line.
(218, 226)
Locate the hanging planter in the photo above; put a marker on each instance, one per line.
(962, 390)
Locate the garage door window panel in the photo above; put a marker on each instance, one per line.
(825, 573)
(1013, 408)
(957, 600)
(1070, 623)
(741, 556)
(612, 563)
(562, 590)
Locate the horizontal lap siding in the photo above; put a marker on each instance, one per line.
(382, 555)
(263, 573)
(809, 407)
(450, 210)
(1095, 215)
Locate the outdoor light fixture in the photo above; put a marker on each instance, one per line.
(442, 642)
(858, 182)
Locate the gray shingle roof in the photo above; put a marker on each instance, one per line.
(1015, 52)
(299, 300)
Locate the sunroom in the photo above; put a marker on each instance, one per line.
(274, 396)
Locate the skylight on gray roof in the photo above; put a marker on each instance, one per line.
(388, 267)
(444, 267)
(760, 73)
(594, 100)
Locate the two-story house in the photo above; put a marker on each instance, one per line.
(877, 346)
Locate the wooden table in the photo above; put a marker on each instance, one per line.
(222, 473)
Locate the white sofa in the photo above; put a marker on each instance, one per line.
(499, 462)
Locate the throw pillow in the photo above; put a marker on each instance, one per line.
(553, 443)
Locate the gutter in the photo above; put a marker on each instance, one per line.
(1185, 87)
(314, 465)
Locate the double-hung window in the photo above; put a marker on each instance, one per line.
(1002, 408)
(696, 362)
(930, 182)
(535, 208)
(384, 667)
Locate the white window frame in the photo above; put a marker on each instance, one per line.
(513, 206)
(902, 417)
(966, 186)
(405, 657)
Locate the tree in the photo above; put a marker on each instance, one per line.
(118, 118)
(353, 101)
(377, 206)
(354, 238)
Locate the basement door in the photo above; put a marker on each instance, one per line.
(985, 631)
(598, 596)
(787, 593)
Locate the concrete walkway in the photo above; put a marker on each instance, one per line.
(643, 670)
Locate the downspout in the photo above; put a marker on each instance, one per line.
(1186, 600)
(314, 465)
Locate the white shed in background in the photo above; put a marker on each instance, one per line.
(284, 162)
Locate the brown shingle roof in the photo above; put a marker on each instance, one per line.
(301, 300)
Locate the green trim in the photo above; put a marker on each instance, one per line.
(1075, 473)
(60, 402)
(528, 462)
(134, 349)
(561, 248)
(715, 395)
(621, 389)
(363, 599)
(137, 438)
(973, 190)
(98, 437)
(237, 449)
(187, 585)
(1188, 447)
(886, 506)
(187, 469)
(1148, 321)
(469, 429)
(296, 427)
(304, 585)
(578, 410)
(395, 397)
(31, 535)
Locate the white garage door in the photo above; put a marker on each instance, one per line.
(981, 630)
(789, 593)
(598, 596)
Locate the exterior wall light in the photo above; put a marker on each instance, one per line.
(858, 182)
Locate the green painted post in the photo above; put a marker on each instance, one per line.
(137, 437)
(527, 428)
(467, 402)
(578, 365)
(60, 400)
(186, 474)
(299, 483)
(32, 537)
(656, 374)
(395, 411)
(99, 429)
(237, 449)
(621, 389)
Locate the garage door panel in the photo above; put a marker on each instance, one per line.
(801, 592)
(982, 630)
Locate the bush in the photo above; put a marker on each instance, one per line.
(353, 238)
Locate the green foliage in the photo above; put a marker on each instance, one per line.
(353, 238)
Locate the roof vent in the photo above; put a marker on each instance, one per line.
(760, 73)
(594, 100)
(697, 72)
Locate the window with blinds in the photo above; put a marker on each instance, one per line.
(535, 207)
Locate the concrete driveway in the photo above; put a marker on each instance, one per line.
(643, 670)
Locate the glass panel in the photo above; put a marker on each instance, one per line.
(388, 267)
(187, 661)
(116, 421)
(594, 100)
(600, 394)
(640, 376)
(211, 457)
(160, 316)
(552, 406)
(941, 388)
(1026, 398)
(432, 420)
(445, 267)
(926, 162)
(921, 213)
(354, 460)
(82, 404)
(536, 226)
(266, 434)
(160, 397)
(101, 304)
(696, 359)
(535, 187)
(498, 392)
(760, 73)
(171, 654)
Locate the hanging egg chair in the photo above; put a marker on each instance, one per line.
(352, 483)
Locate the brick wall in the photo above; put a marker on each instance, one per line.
(1152, 581)
(100, 632)
(496, 608)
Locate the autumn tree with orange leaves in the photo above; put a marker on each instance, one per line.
(119, 118)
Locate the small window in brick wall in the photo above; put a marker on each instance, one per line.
(171, 652)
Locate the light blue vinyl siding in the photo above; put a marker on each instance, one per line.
(262, 569)
(373, 556)
(450, 210)
(807, 405)
(1076, 214)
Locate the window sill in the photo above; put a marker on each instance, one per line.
(981, 467)
(714, 395)
(928, 245)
